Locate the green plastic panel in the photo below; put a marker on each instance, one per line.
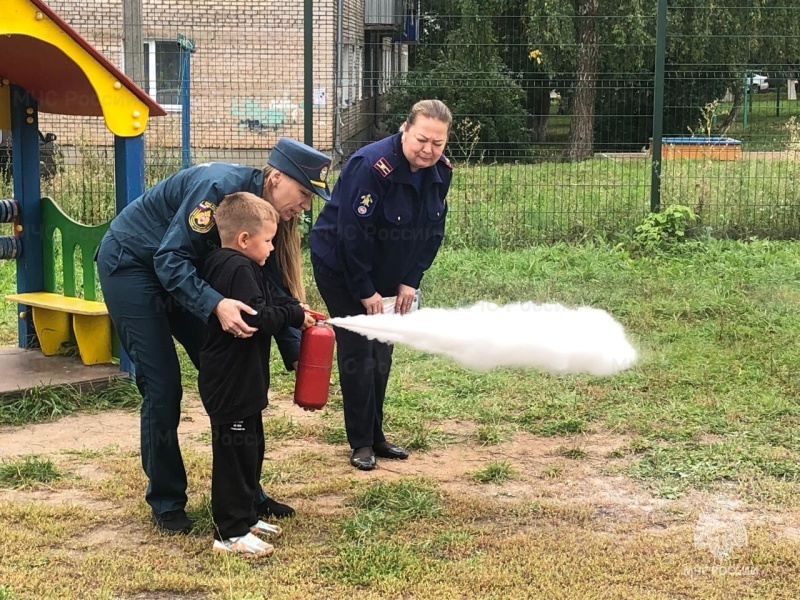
(73, 234)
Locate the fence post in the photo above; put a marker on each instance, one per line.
(187, 49)
(308, 73)
(658, 105)
(748, 79)
(308, 81)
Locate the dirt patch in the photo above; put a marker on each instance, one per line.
(88, 471)
(570, 471)
(329, 504)
(111, 538)
(92, 431)
(532, 459)
(51, 497)
(792, 533)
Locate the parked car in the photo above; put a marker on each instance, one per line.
(51, 159)
(757, 83)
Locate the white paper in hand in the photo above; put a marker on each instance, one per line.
(388, 303)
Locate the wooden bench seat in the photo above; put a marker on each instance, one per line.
(51, 318)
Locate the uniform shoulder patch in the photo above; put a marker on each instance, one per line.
(201, 219)
(364, 204)
(383, 166)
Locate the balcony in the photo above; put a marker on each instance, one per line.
(387, 15)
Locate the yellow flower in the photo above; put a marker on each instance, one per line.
(536, 55)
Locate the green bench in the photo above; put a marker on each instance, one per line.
(57, 318)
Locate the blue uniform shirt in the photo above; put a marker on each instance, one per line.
(377, 229)
(171, 228)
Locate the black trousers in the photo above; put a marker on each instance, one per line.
(146, 319)
(364, 364)
(238, 455)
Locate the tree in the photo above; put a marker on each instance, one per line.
(599, 55)
(460, 64)
(581, 135)
(583, 43)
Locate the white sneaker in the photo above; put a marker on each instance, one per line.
(247, 546)
(264, 528)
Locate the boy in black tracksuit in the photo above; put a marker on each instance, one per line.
(234, 370)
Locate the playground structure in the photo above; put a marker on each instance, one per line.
(45, 66)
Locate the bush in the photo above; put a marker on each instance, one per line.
(662, 230)
(491, 100)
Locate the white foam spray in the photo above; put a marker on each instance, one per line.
(550, 337)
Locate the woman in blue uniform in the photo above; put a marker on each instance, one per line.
(148, 265)
(375, 238)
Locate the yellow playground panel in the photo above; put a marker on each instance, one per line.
(46, 66)
(40, 53)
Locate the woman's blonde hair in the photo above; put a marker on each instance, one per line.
(433, 109)
(287, 248)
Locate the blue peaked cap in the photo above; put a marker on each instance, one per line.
(302, 163)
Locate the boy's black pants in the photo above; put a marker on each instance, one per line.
(238, 455)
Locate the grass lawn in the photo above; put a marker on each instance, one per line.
(520, 484)
(515, 206)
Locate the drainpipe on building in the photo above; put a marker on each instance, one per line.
(337, 116)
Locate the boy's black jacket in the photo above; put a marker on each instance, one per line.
(234, 372)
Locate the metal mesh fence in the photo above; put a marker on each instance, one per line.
(553, 103)
(554, 106)
(245, 81)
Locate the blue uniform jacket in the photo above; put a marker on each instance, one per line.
(376, 229)
(170, 228)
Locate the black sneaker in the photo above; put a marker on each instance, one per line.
(271, 508)
(174, 521)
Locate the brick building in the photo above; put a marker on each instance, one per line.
(247, 76)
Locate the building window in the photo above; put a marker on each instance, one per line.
(387, 63)
(371, 55)
(162, 72)
(352, 74)
(358, 72)
(344, 76)
(393, 63)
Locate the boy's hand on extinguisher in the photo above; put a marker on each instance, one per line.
(309, 321)
(315, 316)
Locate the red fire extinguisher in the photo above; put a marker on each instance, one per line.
(314, 366)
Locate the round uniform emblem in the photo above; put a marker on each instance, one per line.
(323, 173)
(201, 219)
(364, 204)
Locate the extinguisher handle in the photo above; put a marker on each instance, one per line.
(316, 315)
